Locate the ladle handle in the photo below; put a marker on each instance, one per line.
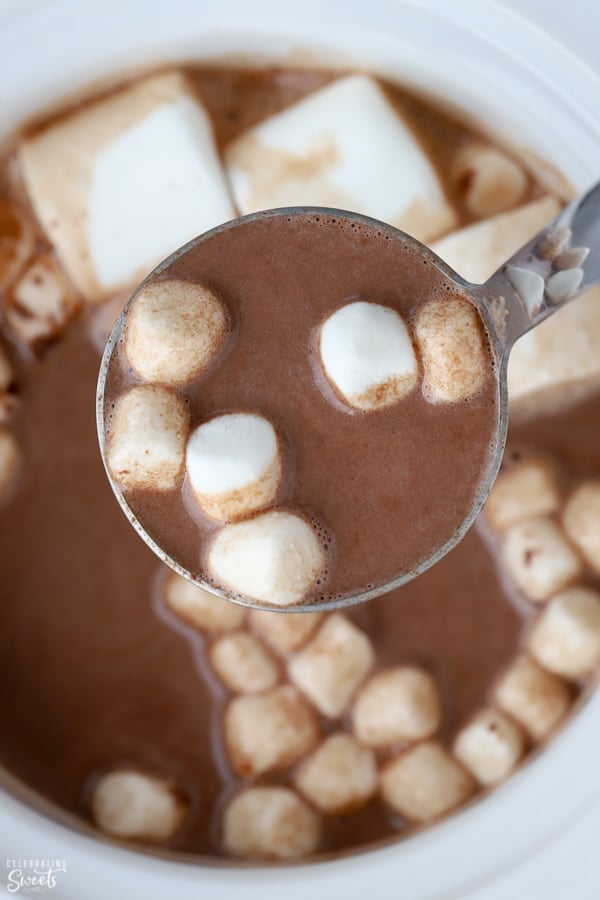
(553, 268)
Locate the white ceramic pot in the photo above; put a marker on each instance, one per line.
(525, 86)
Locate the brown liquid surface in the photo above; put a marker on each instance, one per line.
(94, 673)
(389, 487)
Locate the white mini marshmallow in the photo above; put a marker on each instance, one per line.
(10, 458)
(275, 558)
(476, 251)
(535, 698)
(233, 464)
(270, 823)
(451, 342)
(367, 355)
(146, 445)
(489, 747)
(174, 330)
(489, 181)
(339, 776)
(526, 490)
(345, 146)
(17, 241)
(566, 637)
(284, 633)
(538, 558)
(129, 804)
(424, 783)
(242, 664)
(331, 667)
(200, 608)
(41, 302)
(122, 182)
(269, 731)
(581, 519)
(400, 704)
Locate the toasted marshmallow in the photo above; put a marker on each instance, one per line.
(233, 464)
(342, 146)
(200, 608)
(489, 181)
(284, 633)
(145, 178)
(451, 341)
(270, 823)
(566, 637)
(16, 241)
(269, 731)
(174, 330)
(489, 747)
(41, 302)
(367, 355)
(539, 558)
(146, 445)
(274, 558)
(535, 698)
(581, 519)
(475, 252)
(424, 783)
(242, 664)
(339, 776)
(525, 491)
(331, 667)
(130, 804)
(400, 704)
(9, 462)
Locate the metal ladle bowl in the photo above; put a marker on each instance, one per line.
(557, 265)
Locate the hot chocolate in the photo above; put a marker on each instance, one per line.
(158, 713)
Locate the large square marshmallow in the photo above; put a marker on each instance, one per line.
(121, 183)
(344, 146)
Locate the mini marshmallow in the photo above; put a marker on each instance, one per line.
(344, 146)
(489, 181)
(400, 704)
(538, 558)
(269, 731)
(41, 302)
(476, 251)
(284, 633)
(563, 285)
(9, 462)
(270, 823)
(527, 490)
(242, 664)
(424, 783)
(174, 330)
(566, 637)
(130, 804)
(535, 698)
(139, 168)
(146, 444)
(331, 667)
(200, 608)
(367, 355)
(451, 341)
(339, 777)
(274, 558)
(581, 519)
(489, 747)
(233, 464)
(16, 241)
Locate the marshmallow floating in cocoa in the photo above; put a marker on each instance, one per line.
(581, 519)
(489, 746)
(234, 465)
(270, 823)
(537, 699)
(566, 637)
(539, 558)
(199, 607)
(367, 355)
(242, 664)
(400, 704)
(174, 330)
(275, 558)
(340, 776)
(136, 805)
